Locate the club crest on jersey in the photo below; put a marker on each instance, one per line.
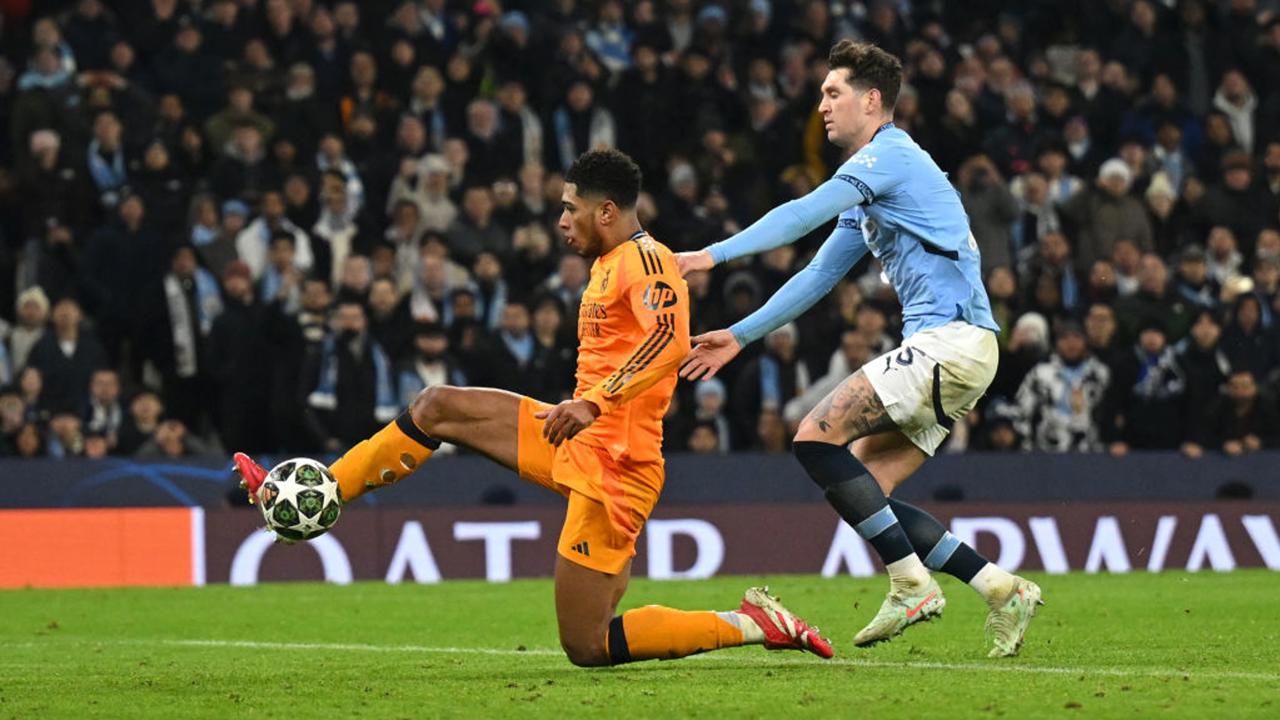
(659, 295)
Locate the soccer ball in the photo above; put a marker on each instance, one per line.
(300, 499)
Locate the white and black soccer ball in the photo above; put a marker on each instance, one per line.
(300, 499)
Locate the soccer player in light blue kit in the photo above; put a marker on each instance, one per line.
(881, 424)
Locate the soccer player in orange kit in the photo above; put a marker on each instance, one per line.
(601, 450)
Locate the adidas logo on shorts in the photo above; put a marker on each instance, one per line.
(582, 549)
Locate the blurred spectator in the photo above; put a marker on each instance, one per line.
(511, 357)
(557, 354)
(105, 159)
(28, 443)
(704, 439)
(65, 438)
(1105, 214)
(214, 238)
(104, 414)
(145, 412)
(768, 381)
(1237, 203)
(1100, 335)
(238, 113)
(579, 125)
(474, 231)
(33, 314)
(96, 446)
(355, 278)
(709, 409)
(771, 433)
(1248, 345)
(239, 364)
(1146, 396)
(252, 242)
(185, 304)
(429, 364)
(1224, 262)
(1192, 282)
(171, 440)
(1060, 400)
(992, 210)
(66, 359)
(1236, 99)
(1242, 420)
(389, 320)
(334, 234)
(1154, 298)
(352, 380)
(122, 260)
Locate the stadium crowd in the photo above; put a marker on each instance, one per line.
(264, 225)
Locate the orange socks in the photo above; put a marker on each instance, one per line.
(393, 453)
(660, 632)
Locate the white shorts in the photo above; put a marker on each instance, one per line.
(934, 378)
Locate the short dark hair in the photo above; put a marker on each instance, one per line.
(869, 67)
(610, 173)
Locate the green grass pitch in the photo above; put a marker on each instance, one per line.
(1169, 645)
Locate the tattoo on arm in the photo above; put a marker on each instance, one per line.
(852, 411)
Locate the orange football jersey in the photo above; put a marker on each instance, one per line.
(633, 333)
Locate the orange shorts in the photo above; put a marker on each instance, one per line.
(609, 500)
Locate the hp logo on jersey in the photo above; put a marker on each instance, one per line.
(659, 295)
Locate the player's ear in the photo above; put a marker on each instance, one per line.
(607, 212)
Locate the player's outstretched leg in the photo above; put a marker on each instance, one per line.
(1012, 600)
(482, 419)
(852, 411)
(592, 635)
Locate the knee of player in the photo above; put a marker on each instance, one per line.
(808, 430)
(585, 654)
(826, 463)
(431, 406)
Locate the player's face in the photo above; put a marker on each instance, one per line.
(843, 108)
(578, 222)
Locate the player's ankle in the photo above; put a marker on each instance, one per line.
(993, 584)
(908, 574)
(752, 633)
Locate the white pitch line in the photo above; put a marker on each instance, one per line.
(998, 666)
(994, 666)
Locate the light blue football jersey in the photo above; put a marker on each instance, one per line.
(892, 199)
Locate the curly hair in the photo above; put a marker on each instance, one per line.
(610, 173)
(869, 67)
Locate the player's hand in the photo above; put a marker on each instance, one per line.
(687, 262)
(711, 351)
(1252, 443)
(1192, 450)
(1233, 447)
(567, 419)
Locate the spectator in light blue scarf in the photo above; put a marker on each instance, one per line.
(46, 72)
(610, 38)
(106, 158)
